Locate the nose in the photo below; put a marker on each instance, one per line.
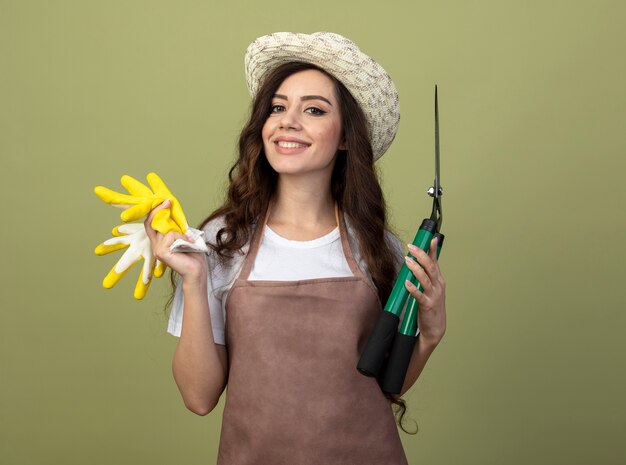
(290, 119)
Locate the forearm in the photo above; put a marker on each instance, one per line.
(421, 353)
(199, 365)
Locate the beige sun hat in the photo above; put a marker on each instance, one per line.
(366, 80)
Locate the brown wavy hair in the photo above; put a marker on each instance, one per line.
(354, 182)
(354, 187)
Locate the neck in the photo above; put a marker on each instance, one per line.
(304, 205)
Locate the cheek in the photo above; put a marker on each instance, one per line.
(332, 135)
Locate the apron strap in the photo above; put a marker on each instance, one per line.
(255, 243)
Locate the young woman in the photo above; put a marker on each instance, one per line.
(300, 265)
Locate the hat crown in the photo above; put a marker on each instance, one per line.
(367, 81)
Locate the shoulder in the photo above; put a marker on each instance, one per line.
(397, 249)
(211, 231)
(393, 242)
(222, 270)
(212, 227)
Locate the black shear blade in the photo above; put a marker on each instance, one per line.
(437, 185)
(436, 191)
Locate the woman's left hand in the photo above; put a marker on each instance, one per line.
(431, 317)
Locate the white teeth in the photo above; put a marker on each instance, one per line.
(290, 145)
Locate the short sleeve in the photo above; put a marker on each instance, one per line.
(395, 246)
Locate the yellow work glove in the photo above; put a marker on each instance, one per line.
(142, 200)
(134, 237)
(137, 204)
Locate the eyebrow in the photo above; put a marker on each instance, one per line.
(306, 97)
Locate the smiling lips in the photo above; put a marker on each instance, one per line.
(290, 146)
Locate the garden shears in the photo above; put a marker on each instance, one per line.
(388, 351)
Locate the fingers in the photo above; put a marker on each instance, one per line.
(117, 273)
(139, 249)
(104, 249)
(124, 235)
(128, 229)
(163, 223)
(415, 292)
(432, 251)
(118, 242)
(163, 245)
(138, 211)
(135, 187)
(178, 216)
(141, 288)
(429, 264)
(419, 273)
(160, 189)
(148, 222)
(112, 197)
(159, 244)
(144, 200)
(158, 186)
(159, 269)
(112, 278)
(145, 277)
(116, 231)
(425, 268)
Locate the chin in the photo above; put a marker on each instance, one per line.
(296, 165)
(283, 165)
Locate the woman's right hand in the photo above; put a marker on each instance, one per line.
(191, 266)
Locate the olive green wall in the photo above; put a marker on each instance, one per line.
(532, 102)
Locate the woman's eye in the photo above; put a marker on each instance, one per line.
(315, 111)
(276, 108)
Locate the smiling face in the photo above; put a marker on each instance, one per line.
(303, 130)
